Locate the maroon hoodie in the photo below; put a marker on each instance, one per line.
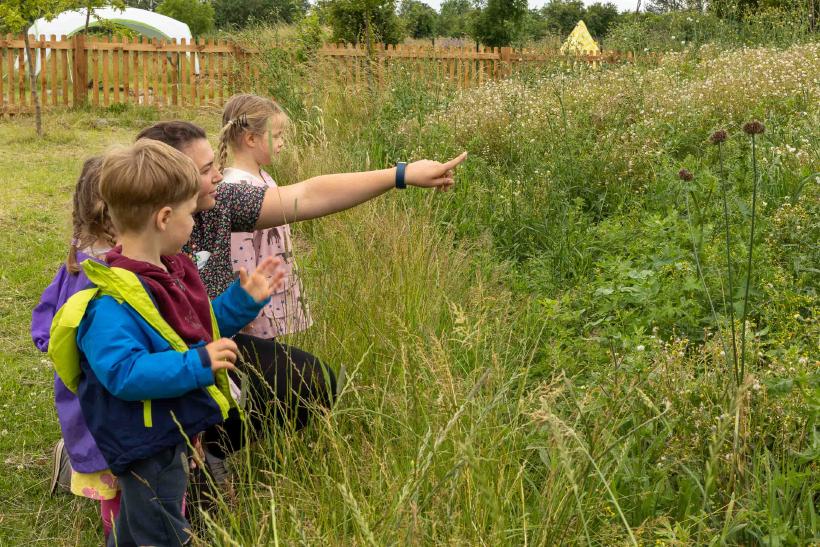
(179, 293)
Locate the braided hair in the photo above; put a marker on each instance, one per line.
(89, 215)
(243, 113)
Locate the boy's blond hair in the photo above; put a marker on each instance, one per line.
(138, 180)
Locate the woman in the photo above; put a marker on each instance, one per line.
(292, 381)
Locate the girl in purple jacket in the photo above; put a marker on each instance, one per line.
(93, 236)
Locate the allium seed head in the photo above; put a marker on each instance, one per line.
(753, 127)
(718, 136)
(685, 175)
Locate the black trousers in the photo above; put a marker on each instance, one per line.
(151, 502)
(284, 384)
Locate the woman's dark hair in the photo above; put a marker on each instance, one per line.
(175, 133)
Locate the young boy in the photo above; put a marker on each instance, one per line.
(142, 346)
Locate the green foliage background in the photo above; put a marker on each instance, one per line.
(531, 358)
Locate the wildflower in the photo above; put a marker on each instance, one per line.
(685, 175)
(718, 136)
(640, 347)
(753, 127)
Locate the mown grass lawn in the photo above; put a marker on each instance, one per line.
(35, 225)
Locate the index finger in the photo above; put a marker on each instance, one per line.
(266, 265)
(225, 365)
(455, 161)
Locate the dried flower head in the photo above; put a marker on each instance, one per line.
(719, 136)
(685, 175)
(753, 127)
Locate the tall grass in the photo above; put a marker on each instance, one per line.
(530, 359)
(533, 359)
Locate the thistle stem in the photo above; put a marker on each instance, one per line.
(702, 278)
(728, 264)
(748, 266)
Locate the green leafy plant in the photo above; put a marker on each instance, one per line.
(197, 14)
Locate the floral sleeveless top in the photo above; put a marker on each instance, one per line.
(287, 312)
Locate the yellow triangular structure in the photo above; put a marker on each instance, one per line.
(580, 41)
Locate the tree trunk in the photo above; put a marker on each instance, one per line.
(87, 18)
(32, 77)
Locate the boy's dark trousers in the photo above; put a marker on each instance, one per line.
(151, 501)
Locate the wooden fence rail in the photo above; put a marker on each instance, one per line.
(77, 71)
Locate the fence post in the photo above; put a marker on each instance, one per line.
(80, 71)
(506, 59)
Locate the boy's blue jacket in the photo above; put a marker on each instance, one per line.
(139, 385)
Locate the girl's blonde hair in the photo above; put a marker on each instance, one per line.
(89, 215)
(244, 113)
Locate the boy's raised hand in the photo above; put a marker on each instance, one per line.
(223, 353)
(433, 174)
(265, 280)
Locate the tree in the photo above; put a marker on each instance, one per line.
(18, 16)
(534, 27)
(149, 5)
(197, 14)
(420, 20)
(91, 6)
(600, 17)
(455, 18)
(367, 21)
(563, 15)
(241, 13)
(665, 6)
(499, 22)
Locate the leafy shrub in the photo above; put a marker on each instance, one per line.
(673, 31)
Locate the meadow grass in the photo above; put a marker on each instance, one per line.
(531, 359)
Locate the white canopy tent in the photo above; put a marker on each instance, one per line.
(144, 22)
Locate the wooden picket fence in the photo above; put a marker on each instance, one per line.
(78, 71)
(459, 66)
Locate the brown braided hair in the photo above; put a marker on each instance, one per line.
(243, 113)
(89, 215)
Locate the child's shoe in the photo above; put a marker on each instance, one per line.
(61, 474)
(221, 475)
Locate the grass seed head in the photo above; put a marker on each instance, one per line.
(685, 175)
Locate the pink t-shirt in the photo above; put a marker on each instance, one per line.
(287, 311)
